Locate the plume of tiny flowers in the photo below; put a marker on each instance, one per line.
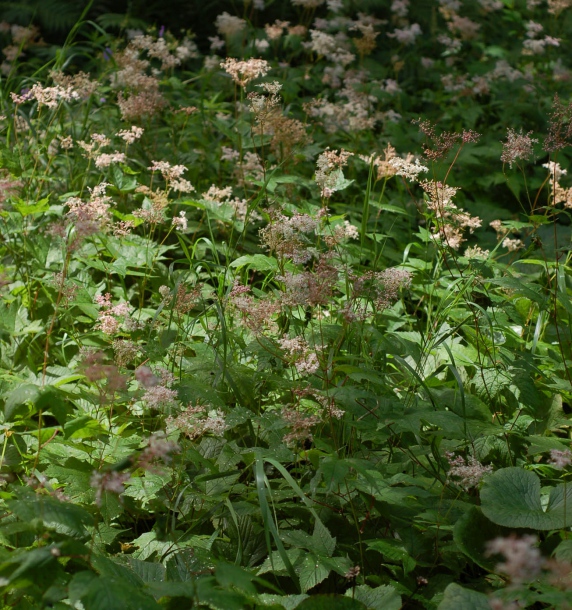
(158, 448)
(512, 245)
(46, 96)
(329, 172)
(130, 135)
(406, 35)
(285, 236)
(158, 393)
(198, 420)
(300, 425)
(242, 72)
(404, 167)
(381, 287)
(110, 315)
(93, 215)
(558, 193)
(111, 481)
(517, 146)
(450, 220)
(523, 561)
(300, 355)
(172, 175)
(466, 472)
(560, 459)
(229, 25)
(180, 222)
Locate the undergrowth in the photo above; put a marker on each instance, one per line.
(285, 309)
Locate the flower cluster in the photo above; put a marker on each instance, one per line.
(523, 561)
(300, 355)
(450, 221)
(329, 175)
(111, 481)
(197, 421)
(242, 72)
(158, 448)
(50, 97)
(558, 194)
(111, 315)
(517, 146)
(158, 393)
(300, 425)
(286, 236)
(466, 473)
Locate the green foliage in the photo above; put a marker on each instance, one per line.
(511, 497)
(285, 333)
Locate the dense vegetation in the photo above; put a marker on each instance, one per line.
(286, 305)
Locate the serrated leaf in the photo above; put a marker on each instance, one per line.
(63, 517)
(311, 571)
(231, 576)
(380, 598)
(323, 543)
(26, 209)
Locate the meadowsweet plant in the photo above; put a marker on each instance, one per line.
(285, 305)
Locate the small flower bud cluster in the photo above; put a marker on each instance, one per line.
(300, 425)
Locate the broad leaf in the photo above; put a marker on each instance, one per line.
(380, 598)
(511, 497)
(330, 602)
(459, 598)
(471, 534)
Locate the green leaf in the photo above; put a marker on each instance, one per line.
(336, 181)
(394, 551)
(563, 551)
(33, 208)
(380, 598)
(105, 593)
(323, 543)
(63, 517)
(511, 497)
(459, 598)
(82, 427)
(231, 576)
(311, 571)
(146, 570)
(331, 602)
(216, 598)
(18, 401)
(258, 262)
(471, 534)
